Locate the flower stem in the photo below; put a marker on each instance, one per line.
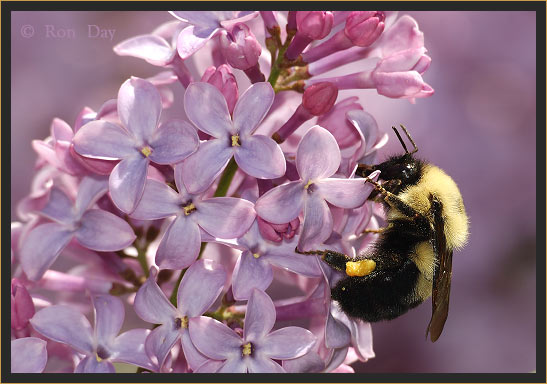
(141, 257)
(226, 178)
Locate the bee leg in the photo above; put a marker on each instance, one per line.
(379, 230)
(394, 201)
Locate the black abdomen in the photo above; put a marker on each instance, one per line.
(383, 295)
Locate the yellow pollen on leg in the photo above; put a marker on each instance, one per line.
(247, 349)
(189, 209)
(360, 268)
(146, 151)
(308, 184)
(235, 141)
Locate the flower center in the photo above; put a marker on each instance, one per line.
(309, 186)
(256, 255)
(146, 151)
(181, 322)
(246, 349)
(189, 208)
(235, 141)
(101, 354)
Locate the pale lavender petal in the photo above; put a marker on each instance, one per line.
(337, 335)
(250, 273)
(264, 365)
(260, 316)
(60, 130)
(158, 201)
(59, 206)
(91, 365)
(362, 340)
(194, 358)
(318, 155)
(28, 355)
(287, 343)
(173, 141)
(201, 169)
(101, 139)
(180, 245)
(317, 223)
(151, 305)
(214, 339)
(261, 157)
(201, 18)
(345, 193)
(200, 287)
(281, 204)
(234, 365)
(41, 246)
(109, 316)
(103, 231)
(66, 325)
(191, 39)
(210, 366)
(206, 107)
(127, 182)
(91, 189)
(309, 363)
(151, 48)
(251, 108)
(129, 348)
(160, 342)
(139, 107)
(286, 258)
(225, 217)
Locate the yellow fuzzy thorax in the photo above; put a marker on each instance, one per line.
(434, 181)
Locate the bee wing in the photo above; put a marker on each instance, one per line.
(441, 277)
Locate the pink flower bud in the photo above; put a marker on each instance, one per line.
(240, 47)
(22, 307)
(277, 232)
(319, 98)
(224, 80)
(401, 84)
(364, 27)
(314, 24)
(407, 60)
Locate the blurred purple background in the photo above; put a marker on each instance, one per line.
(480, 126)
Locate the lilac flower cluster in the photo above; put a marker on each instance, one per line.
(186, 226)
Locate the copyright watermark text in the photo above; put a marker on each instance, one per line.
(50, 31)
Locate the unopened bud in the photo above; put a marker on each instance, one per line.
(224, 80)
(314, 24)
(240, 47)
(364, 27)
(319, 98)
(278, 232)
(22, 307)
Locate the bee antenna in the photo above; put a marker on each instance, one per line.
(400, 139)
(409, 138)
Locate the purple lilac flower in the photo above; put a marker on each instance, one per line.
(317, 159)
(223, 217)
(257, 155)
(93, 228)
(203, 25)
(256, 350)
(253, 267)
(101, 346)
(28, 355)
(198, 290)
(139, 143)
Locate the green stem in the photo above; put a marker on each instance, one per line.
(226, 178)
(141, 257)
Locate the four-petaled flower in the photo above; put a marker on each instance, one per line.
(93, 228)
(317, 159)
(102, 345)
(257, 155)
(139, 143)
(223, 217)
(256, 350)
(198, 290)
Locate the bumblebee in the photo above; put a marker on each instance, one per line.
(412, 257)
